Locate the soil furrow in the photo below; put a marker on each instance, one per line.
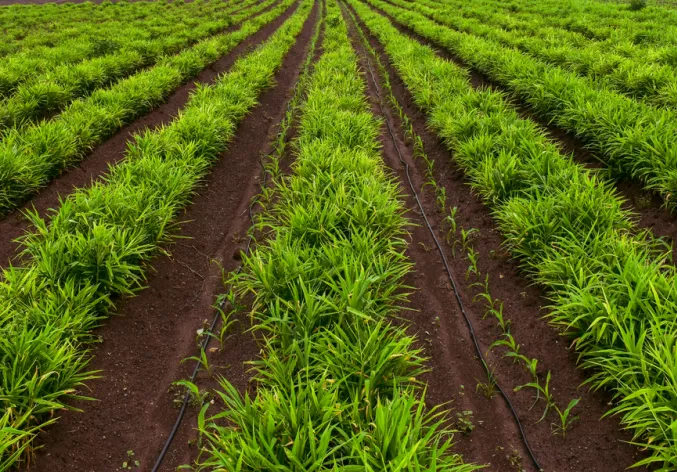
(591, 444)
(142, 347)
(96, 164)
(229, 362)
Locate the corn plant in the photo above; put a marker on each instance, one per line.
(566, 419)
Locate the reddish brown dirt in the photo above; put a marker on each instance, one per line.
(647, 206)
(144, 344)
(96, 164)
(592, 444)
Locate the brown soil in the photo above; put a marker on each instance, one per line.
(592, 444)
(96, 164)
(142, 348)
(647, 206)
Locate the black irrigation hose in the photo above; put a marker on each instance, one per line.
(451, 277)
(205, 342)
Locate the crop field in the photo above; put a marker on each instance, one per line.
(338, 235)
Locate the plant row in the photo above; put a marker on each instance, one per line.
(624, 45)
(32, 15)
(613, 288)
(96, 246)
(657, 84)
(48, 24)
(35, 15)
(32, 95)
(80, 40)
(31, 156)
(336, 385)
(511, 18)
(599, 21)
(633, 139)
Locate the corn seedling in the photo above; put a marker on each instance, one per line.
(510, 343)
(488, 388)
(441, 197)
(450, 219)
(543, 390)
(473, 258)
(565, 418)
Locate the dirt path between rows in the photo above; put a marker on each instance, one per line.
(143, 346)
(591, 444)
(96, 164)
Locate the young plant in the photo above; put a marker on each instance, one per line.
(203, 361)
(488, 388)
(467, 236)
(510, 343)
(464, 421)
(441, 197)
(498, 314)
(543, 390)
(450, 219)
(473, 257)
(197, 397)
(565, 418)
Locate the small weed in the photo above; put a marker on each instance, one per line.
(488, 388)
(127, 465)
(515, 460)
(197, 397)
(643, 201)
(425, 247)
(464, 421)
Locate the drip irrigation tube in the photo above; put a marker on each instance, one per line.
(449, 274)
(205, 342)
(212, 326)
